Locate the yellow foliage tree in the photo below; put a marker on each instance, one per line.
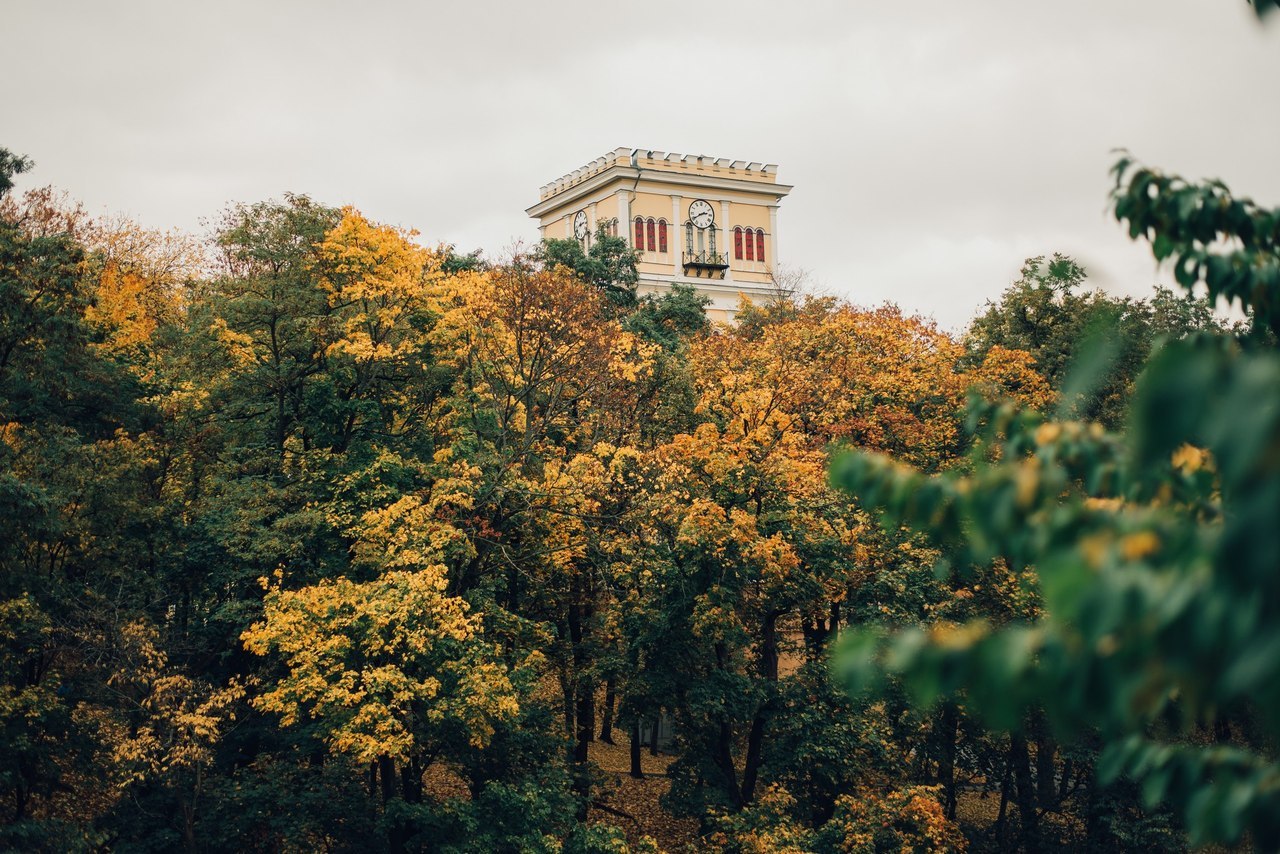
(875, 379)
(387, 667)
(174, 726)
(376, 277)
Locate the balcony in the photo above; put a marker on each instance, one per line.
(709, 265)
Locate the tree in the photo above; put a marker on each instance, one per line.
(1043, 314)
(267, 309)
(394, 670)
(748, 560)
(427, 455)
(608, 263)
(66, 409)
(10, 165)
(1149, 547)
(671, 319)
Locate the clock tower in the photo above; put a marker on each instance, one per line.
(708, 222)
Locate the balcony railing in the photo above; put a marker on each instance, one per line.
(709, 265)
(716, 260)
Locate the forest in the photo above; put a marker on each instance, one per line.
(318, 537)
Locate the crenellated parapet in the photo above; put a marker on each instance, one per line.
(662, 161)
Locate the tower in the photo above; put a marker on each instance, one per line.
(711, 223)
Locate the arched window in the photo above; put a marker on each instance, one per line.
(750, 247)
(737, 243)
(653, 242)
(760, 245)
(662, 236)
(639, 244)
(688, 238)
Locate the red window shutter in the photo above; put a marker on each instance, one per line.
(653, 244)
(760, 245)
(662, 236)
(639, 233)
(737, 243)
(751, 249)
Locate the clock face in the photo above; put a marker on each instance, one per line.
(580, 225)
(700, 213)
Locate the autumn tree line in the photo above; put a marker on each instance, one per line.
(316, 537)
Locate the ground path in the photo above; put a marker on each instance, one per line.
(640, 798)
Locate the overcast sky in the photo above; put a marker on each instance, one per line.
(932, 145)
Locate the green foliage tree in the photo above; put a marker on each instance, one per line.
(10, 165)
(1154, 549)
(670, 320)
(607, 263)
(1045, 314)
(71, 469)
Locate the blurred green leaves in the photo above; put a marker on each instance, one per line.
(1156, 548)
(1230, 245)
(1264, 7)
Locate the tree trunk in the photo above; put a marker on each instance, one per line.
(653, 736)
(812, 631)
(583, 698)
(586, 712)
(610, 698)
(751, 764)
(1046, 768)
(723, 758)
(817, 632)
(189, 825)
(387, 771)
(411, 782)
(636, 770)
(567, 693)
(397, 834)
(755, 736)
(1028, 817)
(948, 729)
(1006, 783)
(586, 723)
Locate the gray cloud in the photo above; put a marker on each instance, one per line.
(933, 145)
